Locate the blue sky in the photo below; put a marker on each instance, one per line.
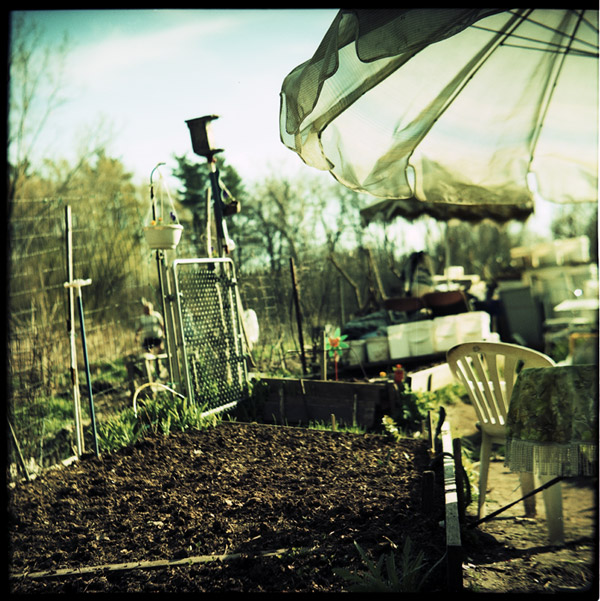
(145, 72)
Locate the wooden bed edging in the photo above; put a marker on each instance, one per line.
(300, 401)
(294, 400)
(454, 550)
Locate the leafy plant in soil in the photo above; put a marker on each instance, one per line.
(408, 577)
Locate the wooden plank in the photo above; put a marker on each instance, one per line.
(325, 388)
(454, 551)
(293, 400)
(431, 378)
(296, 411)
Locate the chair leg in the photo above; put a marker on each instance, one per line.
(485, 452)
(554, 510)
(527, 485)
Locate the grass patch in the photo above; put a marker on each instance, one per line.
(162, 414)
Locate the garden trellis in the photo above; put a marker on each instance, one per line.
(210, 330)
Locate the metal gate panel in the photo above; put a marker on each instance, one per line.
(214, 364)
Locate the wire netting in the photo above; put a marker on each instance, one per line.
(108, 248)
(40, 382)
(212, 333)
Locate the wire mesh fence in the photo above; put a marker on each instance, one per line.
(108, 248)
(39, 362)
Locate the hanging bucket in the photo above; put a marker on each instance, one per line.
(163, 236)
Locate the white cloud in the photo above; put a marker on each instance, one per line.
(97, 63)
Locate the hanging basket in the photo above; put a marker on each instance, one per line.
(163, 236)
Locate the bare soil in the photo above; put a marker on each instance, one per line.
(233, 489)
(249, 488)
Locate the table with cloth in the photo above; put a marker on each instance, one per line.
(552, 421)
(551, 430)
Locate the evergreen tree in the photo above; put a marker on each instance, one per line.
(192, 195)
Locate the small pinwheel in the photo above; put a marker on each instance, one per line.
(335, 346)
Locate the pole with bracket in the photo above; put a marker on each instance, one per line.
(202, 145)
(78, 284)
(71, 331)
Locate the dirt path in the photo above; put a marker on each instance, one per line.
(511, 553)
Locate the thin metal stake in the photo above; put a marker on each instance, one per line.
(298, 315)
(18, 449)
(77, 284)
(533, 492)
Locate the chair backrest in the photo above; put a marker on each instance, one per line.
(488, 371)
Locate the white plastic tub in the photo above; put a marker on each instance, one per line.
(378, 349)
(357, 352)
(445, 333)
(473, 326)
(398, 341)
(420, 337)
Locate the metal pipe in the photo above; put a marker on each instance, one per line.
(71, 332)
(533, 492)
(77, 284)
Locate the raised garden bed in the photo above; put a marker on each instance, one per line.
(296, 401)
(236, 491)
(299, 401)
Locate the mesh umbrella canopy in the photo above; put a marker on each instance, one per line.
(478, 109)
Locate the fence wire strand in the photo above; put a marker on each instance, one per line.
(110, 250)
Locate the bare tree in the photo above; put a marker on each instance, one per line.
(36, 79)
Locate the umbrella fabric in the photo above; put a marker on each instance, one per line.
(453, 106)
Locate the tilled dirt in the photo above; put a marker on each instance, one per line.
(249, 489)
(232, 489)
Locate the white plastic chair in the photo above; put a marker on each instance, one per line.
(488, 371)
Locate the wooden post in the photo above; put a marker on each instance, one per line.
(298, 315)
(427, 491)
(71, 332)
(454, 551)
(431, 433)
(460, 490)
(323, 357)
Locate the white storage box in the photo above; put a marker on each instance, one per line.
(398, 341)
(473, 326)
(420, 337)
(357, 352)
(377, 349)
(445, 333)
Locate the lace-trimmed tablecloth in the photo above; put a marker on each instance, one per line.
(552, 422)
